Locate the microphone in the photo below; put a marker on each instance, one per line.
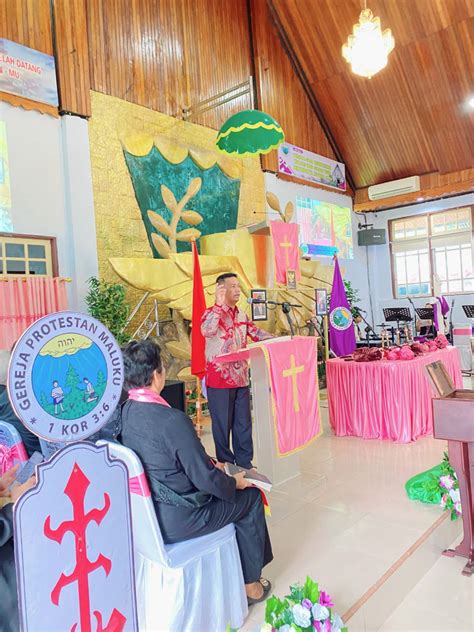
(259, 301)
(256, 301)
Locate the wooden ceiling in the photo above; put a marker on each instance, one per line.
(411, 118)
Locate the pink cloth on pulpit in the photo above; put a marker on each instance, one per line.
(294, 380)
(24, 300)
(385, 400)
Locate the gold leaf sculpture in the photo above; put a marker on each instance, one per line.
(191, 217)
(179, 350)
(188, 234)
(159, 223)
(178, 212)
(161, 245)
(168, 197)
(289, 210)
(273, 201)
(194, 187)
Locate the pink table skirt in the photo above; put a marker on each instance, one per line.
(385, 400)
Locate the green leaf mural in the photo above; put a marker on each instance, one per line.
(217, 201)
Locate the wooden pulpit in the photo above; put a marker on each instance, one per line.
(453, 419)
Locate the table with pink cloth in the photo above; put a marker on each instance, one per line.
(385, 399)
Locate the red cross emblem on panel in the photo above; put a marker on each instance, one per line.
(73, 545)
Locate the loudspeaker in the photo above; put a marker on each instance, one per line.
(371, 237)
(174, 394)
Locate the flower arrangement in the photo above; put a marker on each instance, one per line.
(367, 354)
(448, 482)
(191, 402)
(305, 609)
(441, 341)
(416, 349)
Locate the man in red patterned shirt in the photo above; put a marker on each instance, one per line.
(226, 328)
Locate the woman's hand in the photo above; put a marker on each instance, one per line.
(241, 481)
(7, 479)
(18, 490)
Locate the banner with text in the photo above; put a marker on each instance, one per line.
(27, 73)
(306, 165)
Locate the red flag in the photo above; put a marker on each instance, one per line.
(198, 344)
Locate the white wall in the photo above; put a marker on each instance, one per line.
(355, 269)
(379, 258)
(51, 189)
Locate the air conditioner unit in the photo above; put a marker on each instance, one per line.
(395, 187)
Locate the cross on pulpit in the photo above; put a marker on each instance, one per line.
(286, 244)
(293, 372)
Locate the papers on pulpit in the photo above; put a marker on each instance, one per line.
(252, 476)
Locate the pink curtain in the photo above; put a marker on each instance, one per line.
(22, 301)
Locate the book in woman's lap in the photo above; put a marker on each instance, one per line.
(252, 476)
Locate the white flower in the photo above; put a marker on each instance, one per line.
(337, 623)
(446, 482)
(285, 628)
(455, 495)
(457, 507)
(301, 616)
(266, 627)
(319, 612)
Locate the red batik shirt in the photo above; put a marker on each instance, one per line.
(226, 329)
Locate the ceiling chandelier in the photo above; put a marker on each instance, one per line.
(367, 49)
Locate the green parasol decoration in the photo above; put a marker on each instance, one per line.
(248, 133)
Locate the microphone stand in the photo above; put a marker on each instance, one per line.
(413, 327)
(368, 328)
(286, 308)
(451, 321)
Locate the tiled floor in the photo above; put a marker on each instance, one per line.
(346, 520)
(442, 600)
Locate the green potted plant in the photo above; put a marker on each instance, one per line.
(107, 302)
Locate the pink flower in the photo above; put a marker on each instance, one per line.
(325, 600)
(444, 500)
(406, 353)
(446, 481)
(306, 603)
(441, 341)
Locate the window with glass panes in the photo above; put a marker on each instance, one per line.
(433, 253)
(26, 256)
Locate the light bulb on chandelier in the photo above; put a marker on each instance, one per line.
(367, 49)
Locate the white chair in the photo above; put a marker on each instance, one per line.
(192, 586)
(12, 450)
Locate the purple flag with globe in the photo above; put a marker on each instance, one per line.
(342, 339)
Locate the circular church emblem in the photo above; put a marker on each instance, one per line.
(341, 318)
(65, 376)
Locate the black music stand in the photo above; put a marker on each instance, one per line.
(425, 313)
(397, 315)
(468, 310)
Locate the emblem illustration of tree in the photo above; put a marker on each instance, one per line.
(178, 212)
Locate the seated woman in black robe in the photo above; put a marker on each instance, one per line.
(9, 620)
(192, 496)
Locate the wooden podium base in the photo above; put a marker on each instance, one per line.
(468, 570)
